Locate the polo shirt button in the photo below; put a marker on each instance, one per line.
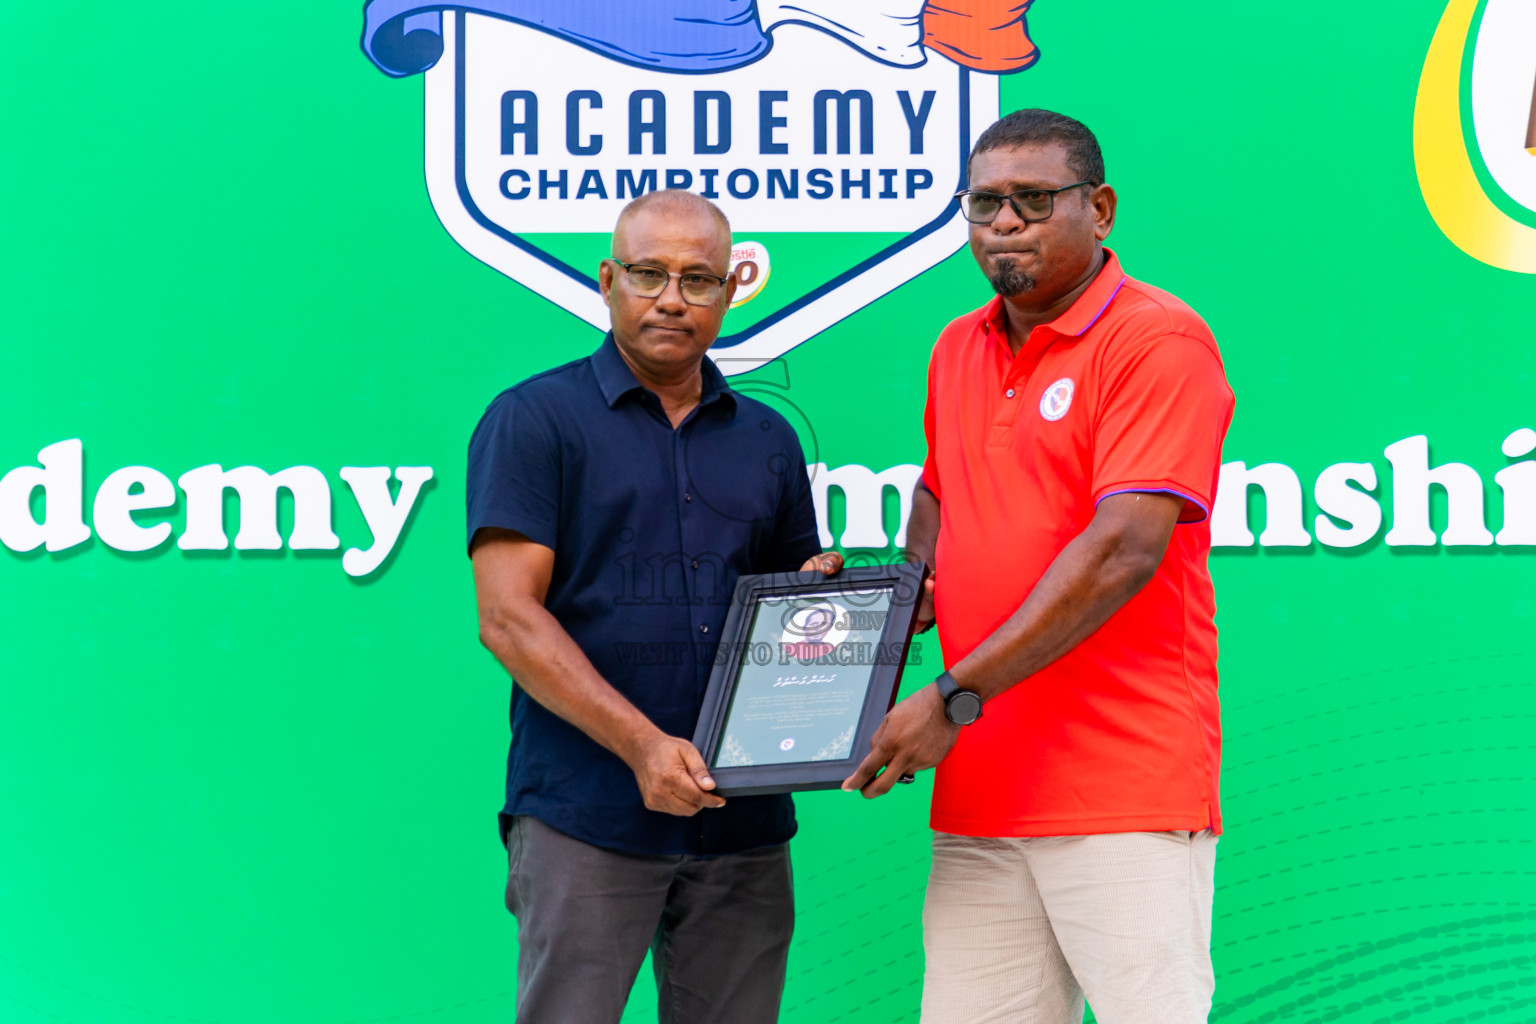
(1009, 392)
(687, 496)
(695, 563)
(703, 629)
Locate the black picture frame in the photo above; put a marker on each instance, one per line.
(906, 583)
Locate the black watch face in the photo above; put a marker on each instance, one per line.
(963, 707)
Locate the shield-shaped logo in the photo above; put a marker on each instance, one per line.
(832, 132)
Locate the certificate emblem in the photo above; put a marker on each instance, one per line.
(813, 631)
(835, 132)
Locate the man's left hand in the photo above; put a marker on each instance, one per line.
(828, 563)
(914, 736)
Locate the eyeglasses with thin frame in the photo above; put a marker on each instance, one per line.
(1031, 204)
(648, 282)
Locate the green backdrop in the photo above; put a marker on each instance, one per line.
(245, 787)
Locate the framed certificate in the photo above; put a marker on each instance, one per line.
(807, 667)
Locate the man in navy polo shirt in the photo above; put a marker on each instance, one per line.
(613, 502)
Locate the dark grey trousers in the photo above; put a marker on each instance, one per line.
(718, 929)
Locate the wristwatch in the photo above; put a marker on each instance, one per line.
(961, 706)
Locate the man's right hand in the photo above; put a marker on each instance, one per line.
(673, 777)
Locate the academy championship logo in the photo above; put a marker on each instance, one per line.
(832, 132)
(1474, 130)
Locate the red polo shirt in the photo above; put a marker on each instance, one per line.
(1123, 392)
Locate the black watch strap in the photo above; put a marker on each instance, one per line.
(961, 706)
(947, 685)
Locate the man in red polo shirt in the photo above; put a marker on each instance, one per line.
(1074, 432)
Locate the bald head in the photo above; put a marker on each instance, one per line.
(673, 204)
(664, 336)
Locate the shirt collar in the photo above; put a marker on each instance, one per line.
(1082, 314)
(615, 379)
(1090, 305)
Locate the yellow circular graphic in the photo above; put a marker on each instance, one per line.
(750, 264)
(1452, 192)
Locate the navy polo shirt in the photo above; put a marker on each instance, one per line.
(650, 527)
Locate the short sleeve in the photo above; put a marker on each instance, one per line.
(795, 537)
(930, 477)
(513, 481)
(1161, 421)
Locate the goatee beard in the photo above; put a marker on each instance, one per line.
(1008, 280)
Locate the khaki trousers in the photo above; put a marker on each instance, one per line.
(1018, 931)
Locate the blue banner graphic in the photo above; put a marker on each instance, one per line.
(404, 37)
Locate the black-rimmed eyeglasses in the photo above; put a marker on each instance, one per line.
(1031, 204)
(648, 282)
